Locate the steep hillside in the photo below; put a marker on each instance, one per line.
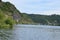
(10, 15)
(9, 9)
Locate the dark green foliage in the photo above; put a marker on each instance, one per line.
(46, 19)
(9, 21)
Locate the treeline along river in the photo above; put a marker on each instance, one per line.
(31, 32)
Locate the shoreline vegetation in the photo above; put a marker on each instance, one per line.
(9, 15)
(5, 21)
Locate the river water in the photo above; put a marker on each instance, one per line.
(31, 32)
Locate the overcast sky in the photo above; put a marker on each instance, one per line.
(37, 6)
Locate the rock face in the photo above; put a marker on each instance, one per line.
(16, 17)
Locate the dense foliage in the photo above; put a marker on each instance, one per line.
(5, 21)
(6, 15)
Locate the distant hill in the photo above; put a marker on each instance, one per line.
(46, 19)
(9, 12)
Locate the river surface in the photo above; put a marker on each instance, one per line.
(31, 32)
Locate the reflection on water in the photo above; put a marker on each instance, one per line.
(31, 32)
(6, 34)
